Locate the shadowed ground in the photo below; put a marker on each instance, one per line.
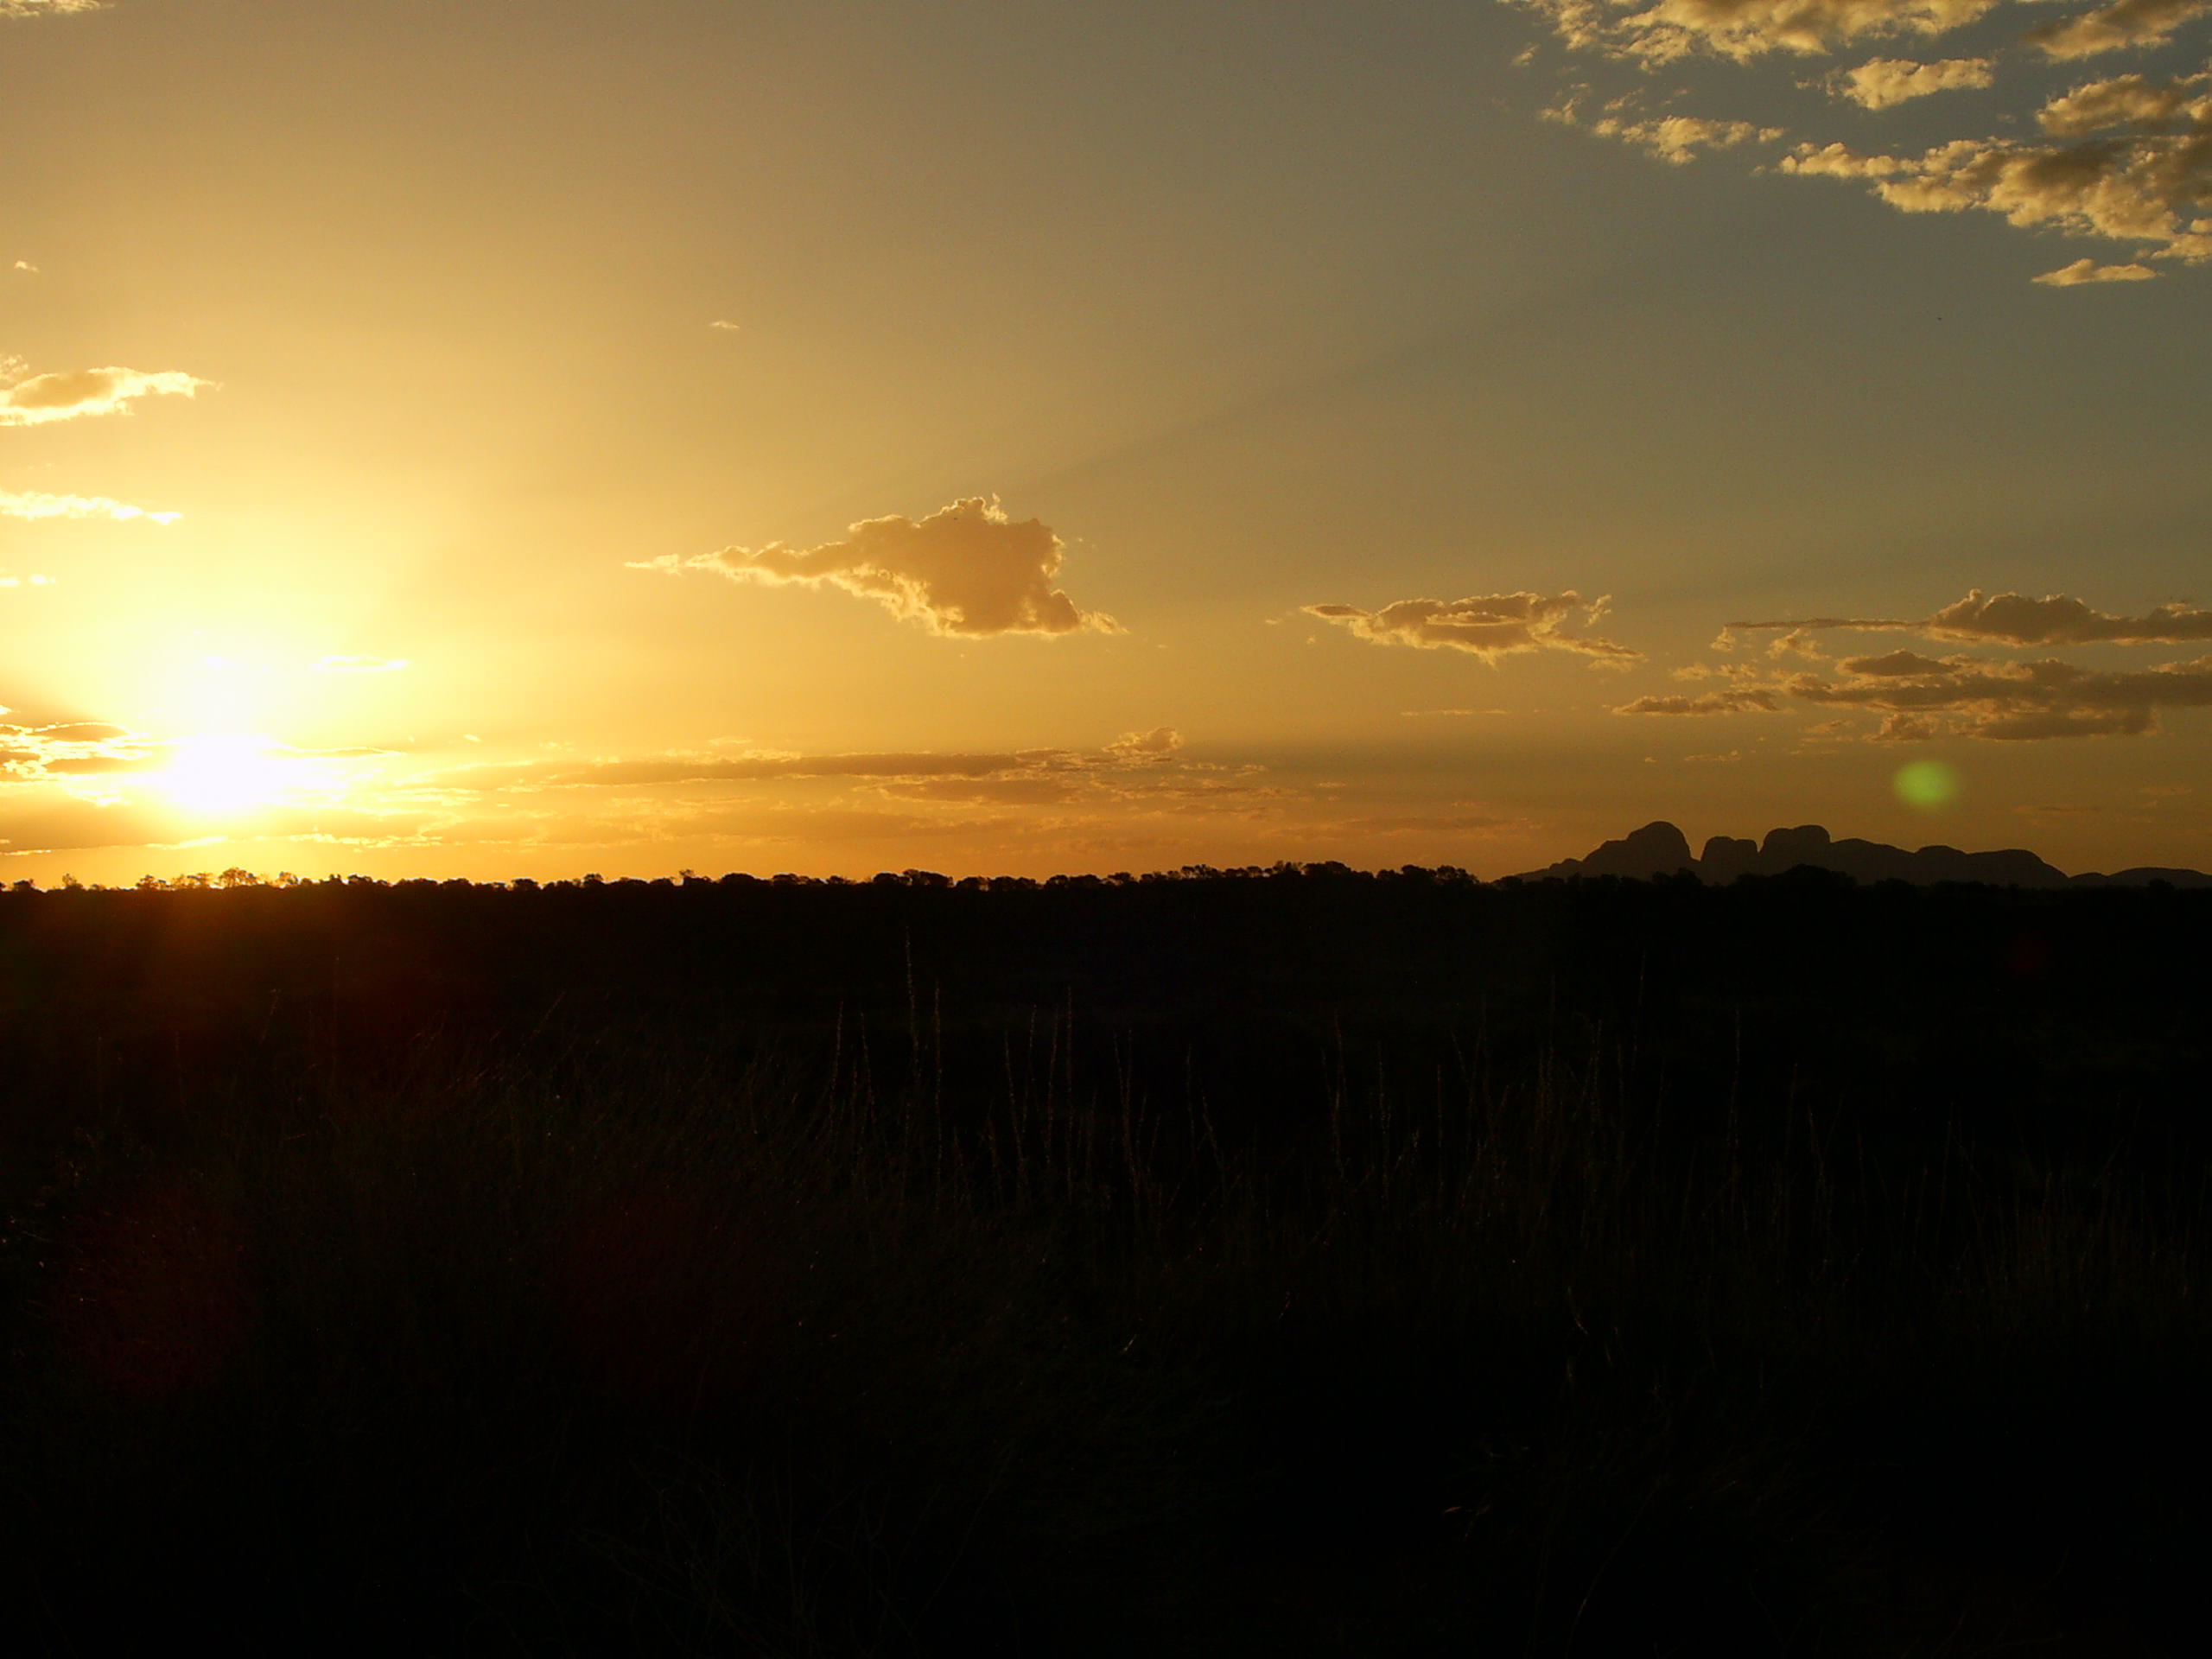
(1347, 1265)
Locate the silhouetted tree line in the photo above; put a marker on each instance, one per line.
(2020, 1012)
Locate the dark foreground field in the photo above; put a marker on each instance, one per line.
(1296, 1263)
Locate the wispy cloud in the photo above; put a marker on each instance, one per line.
(2088, 270)
(967, 570)
(47, 8)
(70, 749)
(2016, 619)
(1132, 752)
(75, 393)
(1742, 701)
(1489, 627)
(37, 503)
(1676, 139)
(1922, 696)
(2009, 701)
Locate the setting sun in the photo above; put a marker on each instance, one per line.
(226, 773)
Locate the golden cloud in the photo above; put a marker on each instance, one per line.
(2127, 158)
(966, 570)
(37, 503)
(2110, 28)
(1744, 29)
(74, 393)
(1880, 83)
(2141, 166)
(1675, 139)
(2086, 270)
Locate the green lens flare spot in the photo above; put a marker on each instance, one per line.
(1929, 785)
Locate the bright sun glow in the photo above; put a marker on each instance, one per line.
(225, 773)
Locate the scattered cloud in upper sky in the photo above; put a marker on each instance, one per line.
(2112, 27)
(65, 396)
(1676, 139)
(2125, 158)
(2088, 270)
(1742, 30)
(1489, 627)
(1880, 82)
(967, 570)
(2138, 168)
(37, 503)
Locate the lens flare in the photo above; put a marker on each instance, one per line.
(1927, 785)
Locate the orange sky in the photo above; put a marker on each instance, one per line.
(480, 439)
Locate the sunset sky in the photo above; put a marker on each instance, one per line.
(480, 438)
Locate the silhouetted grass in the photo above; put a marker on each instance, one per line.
(605, 1336)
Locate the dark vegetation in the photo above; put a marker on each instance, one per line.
(1296, 1262)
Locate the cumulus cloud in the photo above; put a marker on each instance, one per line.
(2140, 169)
(1489, 627)
(1160, 741)
(2088, 270)
(37, 503)
(72, 393)
(2016, 619)
(2122, 101)
(1744, 29)
(966, 570)
(2110, 28)
(1879, 83)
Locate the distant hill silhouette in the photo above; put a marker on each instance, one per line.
(1660, 849)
